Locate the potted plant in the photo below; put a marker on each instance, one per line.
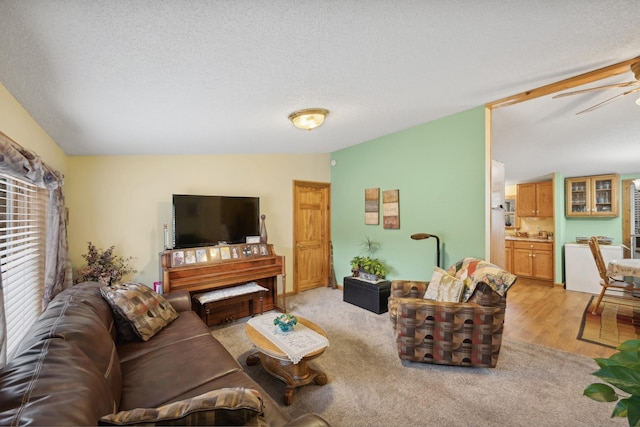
(621, 370)
(366, 266)
(103, 266)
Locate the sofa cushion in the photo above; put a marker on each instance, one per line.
(444, 287)
(53, 382)
(185, 355)
(137, 305)
(223, 407)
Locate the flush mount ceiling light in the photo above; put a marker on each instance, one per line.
(309, 118)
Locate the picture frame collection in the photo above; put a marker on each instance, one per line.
(211, 254)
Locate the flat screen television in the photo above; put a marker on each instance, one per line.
(212, 220)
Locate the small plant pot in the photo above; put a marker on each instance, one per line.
(368, 276)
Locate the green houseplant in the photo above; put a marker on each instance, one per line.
(103, 266)
(365, 265)
(621, 370)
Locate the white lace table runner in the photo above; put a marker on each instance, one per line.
(296, 343)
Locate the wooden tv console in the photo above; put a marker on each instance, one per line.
(253, 263)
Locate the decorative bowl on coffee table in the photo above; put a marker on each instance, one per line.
(285, 322)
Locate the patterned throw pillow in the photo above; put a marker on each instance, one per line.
(474, 270)
(224, 407)
(137, 308)
(444, 287)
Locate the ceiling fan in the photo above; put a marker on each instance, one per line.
(635, 68)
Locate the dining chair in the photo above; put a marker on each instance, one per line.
(605, 281)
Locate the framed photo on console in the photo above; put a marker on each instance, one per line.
(235, 252)
(190, 256)
(225, 252)
(246, 250)
(214, 254)
(201, 255)
(178, 258)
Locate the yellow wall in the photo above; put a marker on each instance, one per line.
(124, 201)
(18, 125)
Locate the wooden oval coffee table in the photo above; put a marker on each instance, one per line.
(277, 364)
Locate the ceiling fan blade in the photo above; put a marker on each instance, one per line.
(577, 92)
(607, 101)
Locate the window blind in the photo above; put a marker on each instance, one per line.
(23, 215)
(636, 211)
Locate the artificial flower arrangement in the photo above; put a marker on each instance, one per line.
(103, 266)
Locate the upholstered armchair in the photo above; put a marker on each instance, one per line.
(465, 333)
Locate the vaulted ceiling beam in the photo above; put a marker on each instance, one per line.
(571, 82)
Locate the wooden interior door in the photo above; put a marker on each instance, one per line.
(312, 231)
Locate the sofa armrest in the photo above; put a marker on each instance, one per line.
(408, 288)
(404, 289)
(180, 300)
(308, 420)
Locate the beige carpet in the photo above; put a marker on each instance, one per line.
(370, 386)
(617, 320)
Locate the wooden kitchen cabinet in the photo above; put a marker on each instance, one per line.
(595, 196)
(508, 255)
(533, 259)
(535, 199)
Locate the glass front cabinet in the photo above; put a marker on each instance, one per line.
(592, 196)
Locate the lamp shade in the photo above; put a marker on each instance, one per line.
(309, 118)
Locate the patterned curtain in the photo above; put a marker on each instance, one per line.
(57, 263)
(21, 163)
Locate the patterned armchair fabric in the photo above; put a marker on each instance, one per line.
(465, 333)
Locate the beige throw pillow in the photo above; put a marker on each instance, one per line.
(444, 287)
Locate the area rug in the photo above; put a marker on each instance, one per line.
(618, 320)
(368, 385)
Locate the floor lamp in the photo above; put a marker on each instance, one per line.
(422, 236)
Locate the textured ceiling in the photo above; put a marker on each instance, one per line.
(117, 77)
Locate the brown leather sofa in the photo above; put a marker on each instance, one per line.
(70, 370)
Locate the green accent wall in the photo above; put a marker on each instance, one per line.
(439, 168)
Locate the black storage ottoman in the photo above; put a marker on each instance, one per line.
(370, 296)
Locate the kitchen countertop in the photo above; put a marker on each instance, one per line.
(527, 239)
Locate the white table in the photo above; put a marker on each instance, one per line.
(624, 267)
(629, 267)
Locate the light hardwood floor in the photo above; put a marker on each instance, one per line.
(548, 316)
